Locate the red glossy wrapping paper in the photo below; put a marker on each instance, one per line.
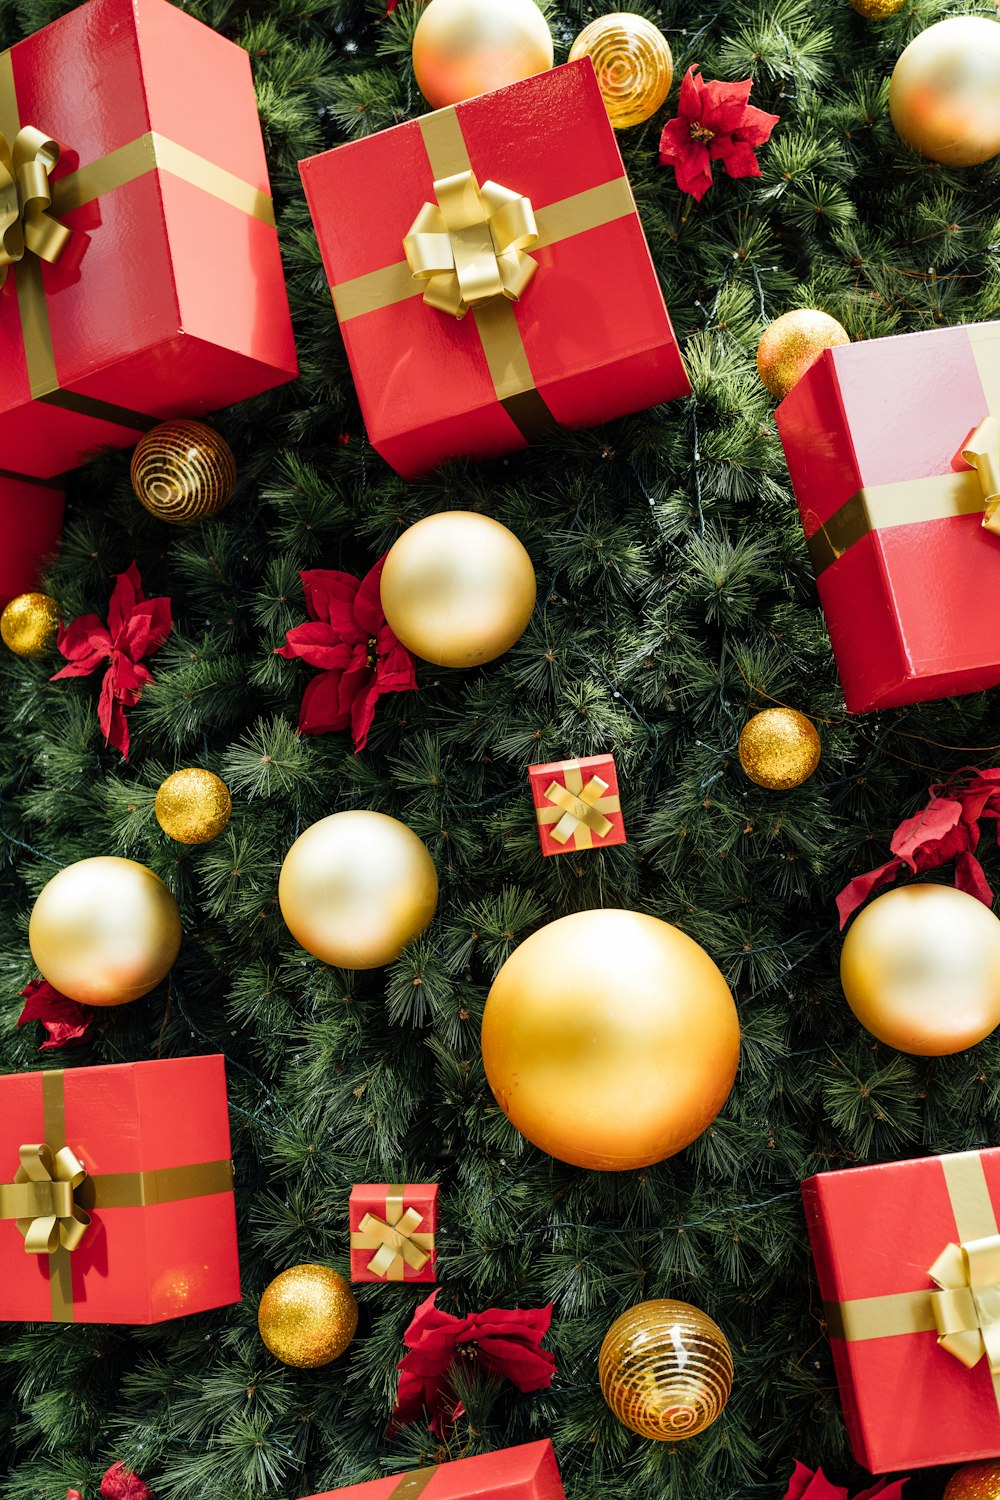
(30, 524)
(529, 1472)
(409, 1208)
(572, 811)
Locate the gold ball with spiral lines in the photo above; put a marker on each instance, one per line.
(183, 471)
(666, 1370)
(633, 63)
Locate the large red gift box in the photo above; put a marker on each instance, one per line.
(587, 339)
(908, 1260)
(116, 1198)
(31, 513)
(895, 516)
(393, 1227)
(529, 1472)
(577, 805)
(168, 297)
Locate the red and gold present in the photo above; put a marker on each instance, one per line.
(529, 1472)
(908, 1260)
(577, 804)
(31, 513)
(393, 1225)
(116, 1193)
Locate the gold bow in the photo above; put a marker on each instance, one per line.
(967, 1308)
(469, 246)
(25, 200)
(982, 451)
(579, 809)
(41, 1199)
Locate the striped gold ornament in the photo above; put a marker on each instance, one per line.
(633, 63)
(665, 1369)
(183, 471)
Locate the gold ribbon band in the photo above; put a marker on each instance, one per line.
(409, 1486)
(394, 1238)
(901, 504)
(578, 811)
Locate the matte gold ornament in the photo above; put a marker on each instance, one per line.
(458, 588)
(29, 624)
(462, 48)
(356, 887)
(193, 806)
(105, 931)
(666, 1370)
(779, 748)
(633, 63)
(610, 1039)
(792, 343)
(975, 1482)
(183, 471)
(307, 1316)
(920, 969)
(944, 97)
(877, 10)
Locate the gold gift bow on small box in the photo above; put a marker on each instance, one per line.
(578, 810)
(394, 1238)
(469, 246)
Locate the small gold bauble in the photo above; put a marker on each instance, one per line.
(462, 48)
(105, 931)
(920, 969)
(29, 623)
(779, 748)
(458, 588)
(666, 1370)
(183, 471)
(610, 1039)
(307, 1316)
(633, 63)
(193, 806)
(792, 343)
(877, 10)
(975, 1482)
(356, 887)
(944, 96)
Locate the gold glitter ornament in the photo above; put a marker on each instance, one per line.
(633, 63)
(193, 806)
(779, 748)
(975, 1482)
(877, 10)
(792, 343)
(944, 95)
(29, 623)
(307, 1316)
(666, 1370)
(183, 471)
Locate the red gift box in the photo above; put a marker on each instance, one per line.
(529, 1472)
(908, 1260)
(589, 338)
(126, 1213)
(393, 1225)
(874, 434)
(168, 297)
(31, 513)
(577, 804)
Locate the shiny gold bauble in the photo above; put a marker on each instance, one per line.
(356, 887)
(944, 97)
(792, 343)
(105, 931)
(29, 624)
(779, 748)
(458, 589)
(183, 471)
(462, 48)
(193, 806)
(307, 1316)
(920, 968)
(666, 1370)
(633, 63)
(877, 10)
(975, 1482)
(610, 1039)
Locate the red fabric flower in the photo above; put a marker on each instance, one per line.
(120, 1484)
(714, 122)
(807, 1485)
(136, 627)
(360, 658)
(64, 1020)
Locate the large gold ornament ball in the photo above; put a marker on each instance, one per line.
(29, 624)
(183, 471)
(462, 48)
(779, 748)
(105, 931)
(792, 343)
(975, 1482)
(356, 887)
(193, 806)
(665, 1369)
(944, 97)
(458, 588)
(920, 969)
(877, 10)
(307, 1316)
(633, 63)
(610, 1039)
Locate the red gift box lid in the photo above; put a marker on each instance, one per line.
(528, 1472)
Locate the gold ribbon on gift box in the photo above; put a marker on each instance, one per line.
(394, 1239)
(577, 809)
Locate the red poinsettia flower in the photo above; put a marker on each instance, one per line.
(714, 122)
(348, 639)
(120, 1483)
(64, 1020)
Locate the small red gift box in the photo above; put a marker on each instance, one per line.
(577, 804)
(908, 1260)
(895, 516)
(529, 1472)
(393, 1225)
(116, 1198)
(167, 297)
(518, 197)
(31, 515)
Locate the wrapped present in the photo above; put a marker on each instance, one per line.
(142, 277)
(513, 207)
(908, 1260)
(577, 804)
(31, 513)
(893, 446)
(116, 1193)
(392, 1231)
(529, 1472)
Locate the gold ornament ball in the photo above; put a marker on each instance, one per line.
(944, 96)
(183, 471)
(105, 931)
(307, 1316)
(458, 588)
(779, 748)
(610, 1039)
(666, 1370)
(193, 806)
(877, 10)
(975, 1482)
(792, 343)
(29, 623)
(920, 968)
(633, 63)
(356, 887)
(462, 48)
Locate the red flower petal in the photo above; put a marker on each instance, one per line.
(323, 708)
(317, 644)
(330, 596)
(64, 1020)
(690, 101)
(368, 611)
(737, 158)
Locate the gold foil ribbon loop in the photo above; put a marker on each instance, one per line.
(26, 198)
(470, 246)
(579, 808)
(982, 450)
(41, 1199)
(967, 1308)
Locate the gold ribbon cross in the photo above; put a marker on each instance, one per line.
(394, 1239)
(578, 811)
(25, 200)
(469, 246)
(967, 1308)
(41, 1199)
(982, 450)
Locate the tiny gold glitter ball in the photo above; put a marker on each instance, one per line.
(633, 63)
(307, 1316)
(183, 471)
(779, 748)
(877, 10)
(193, 806)
(792, 343)
(975, 1482)
(666, 1370)
(29, 623)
